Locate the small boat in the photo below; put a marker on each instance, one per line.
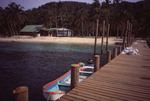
(59, 87)
(89, 68)
(90, 61)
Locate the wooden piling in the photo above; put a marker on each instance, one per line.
(128, 32)
(107, 36)
(124, 40)
(103, 37)
(119, 50)
(74, 75)
(20, 93)
(96, 63)
(96, 37)
(119, 79)
(108, 58)
(125, 34)
(117, 31)
(130, 38)
(114, 52)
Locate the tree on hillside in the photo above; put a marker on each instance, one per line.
(79, 17)
(82, 20)
(14, 17)
(95, 10)
(2, 27)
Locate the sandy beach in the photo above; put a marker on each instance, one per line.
(62, 40)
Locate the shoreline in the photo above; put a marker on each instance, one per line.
(60, 40)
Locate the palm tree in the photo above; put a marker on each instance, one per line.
(94, 12)
(81, 21)
(14, 18)
(107, 3)
(61, 11)
(1, 19)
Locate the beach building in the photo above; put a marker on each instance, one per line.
(40, 30)
(59, 32)
(32, 30)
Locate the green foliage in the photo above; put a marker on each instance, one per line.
(79, 17)
(12, 18)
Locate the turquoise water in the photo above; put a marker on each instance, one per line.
(35, 64)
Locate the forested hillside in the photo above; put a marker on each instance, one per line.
(79, 17)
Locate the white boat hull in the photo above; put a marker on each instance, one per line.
(52, 97)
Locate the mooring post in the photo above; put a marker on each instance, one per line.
(128, 32)
(103, 37)
(96, 36)
(20, 93)
(119, 49)
(114, 52)
(107, 36)
(96, 62)
(131, 34)
(117, 31)
(108, 59)
(74, 75)
(124, 40)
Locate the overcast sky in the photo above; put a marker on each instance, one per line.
(29, 4)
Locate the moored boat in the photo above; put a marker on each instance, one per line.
(59, 87)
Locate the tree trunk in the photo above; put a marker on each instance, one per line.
(11, 26)
(56, 22)
(122, 30)
(82, 27)
(19, 29)
(62, 21)
(15, 30)
(93, 31)
(11, 33)
(87, 31)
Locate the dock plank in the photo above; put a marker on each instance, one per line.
(126, 77)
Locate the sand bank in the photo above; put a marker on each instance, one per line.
(62, 40)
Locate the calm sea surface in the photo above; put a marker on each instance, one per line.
(35, 64)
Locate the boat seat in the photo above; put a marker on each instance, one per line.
(63, 84)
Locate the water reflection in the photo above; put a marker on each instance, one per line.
(35, 64)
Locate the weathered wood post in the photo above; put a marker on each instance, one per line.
(117, 31)
(96, 63)
(96, 37)
(20, 93)
(103, 37)
(74, 75)
(119, 50)
(114, 52)
(129, 42)
(130, 37)
(107, 36)
(124, 40)
(108, 59)
(131, 33)
(128, 32)
(125, 34)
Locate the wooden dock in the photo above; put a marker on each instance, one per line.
(126, 77)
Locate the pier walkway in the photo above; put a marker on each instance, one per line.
(126, 77)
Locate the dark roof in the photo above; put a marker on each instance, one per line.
(51, 29)
(32, 28)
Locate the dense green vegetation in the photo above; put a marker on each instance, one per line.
(79, 17)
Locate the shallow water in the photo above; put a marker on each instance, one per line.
(35, 64)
